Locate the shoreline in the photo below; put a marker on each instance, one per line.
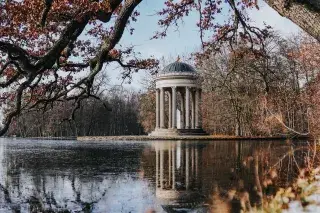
(44, 138)
(151, 138)
(165, 138)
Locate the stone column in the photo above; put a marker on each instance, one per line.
(183, 113)
(187, 119)
(170, 110)
(157, 108)
(197, 124)
(162, 107)
(174, 107)
(192, 110)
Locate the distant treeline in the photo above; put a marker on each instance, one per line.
(116, 113)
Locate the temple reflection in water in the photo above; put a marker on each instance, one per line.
(177, 175)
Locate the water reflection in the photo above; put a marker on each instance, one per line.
(65, 176)
(178, 185)
(165, 176)
(224, 176)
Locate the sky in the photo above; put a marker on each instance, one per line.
(186, 39)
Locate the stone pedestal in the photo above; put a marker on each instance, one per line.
(177, 132)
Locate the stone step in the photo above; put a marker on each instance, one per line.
(193, 133)
(191, 130)
(194, 130)
(172, 132)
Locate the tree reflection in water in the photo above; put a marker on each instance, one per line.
(225, 176)
(167, 176)
(68, 176)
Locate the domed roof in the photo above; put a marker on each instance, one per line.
(178, 67)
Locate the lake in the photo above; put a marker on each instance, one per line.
(160, 176)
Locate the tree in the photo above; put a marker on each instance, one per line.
(42, 50)
(253, 94)
(304, 13)
(147, 114)
(46, 44)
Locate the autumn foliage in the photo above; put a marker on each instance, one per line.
(272, 94)
(46, 45)
(52, 50)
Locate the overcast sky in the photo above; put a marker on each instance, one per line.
(186, 40)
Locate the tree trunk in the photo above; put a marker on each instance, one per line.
(304, 13)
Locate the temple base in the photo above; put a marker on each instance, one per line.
(177, 132)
